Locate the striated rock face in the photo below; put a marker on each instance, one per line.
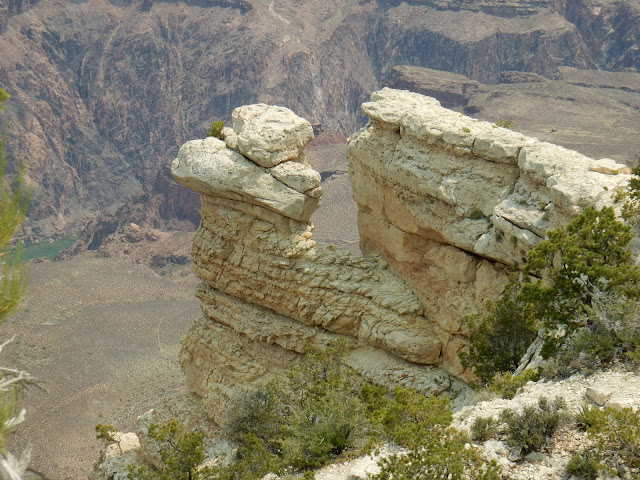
(269, 291)
(453, 203)
(448, 205)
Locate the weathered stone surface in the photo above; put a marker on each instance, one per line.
(453, 203)
(210, 168)
(448, 207)
(269, 291)
(282, 269)
(270, 135)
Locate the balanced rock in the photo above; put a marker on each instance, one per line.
(210, 168)
(270, 135)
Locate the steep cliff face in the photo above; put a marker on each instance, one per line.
(104, 92)
(453, 204)
(448, 205)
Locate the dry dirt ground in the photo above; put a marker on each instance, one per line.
(104, 336)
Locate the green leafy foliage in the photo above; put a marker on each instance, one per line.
(631, 197)
(506, 385)
(14, 200)
(609, 333)
(589, 417)
(498, 340)
(302, 421)
(484, 428)
(325, 409)
(560, 284)
(216, 129)
(442, 456)
(504, 123)
(532, 428)
(618, 436)
(181, 452)
(591, 255)
(585, 465)
(410, 417)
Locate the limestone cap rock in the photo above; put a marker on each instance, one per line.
(269, 135)
(208, 167)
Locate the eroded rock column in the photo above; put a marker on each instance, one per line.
(454, 204)
(268, 290)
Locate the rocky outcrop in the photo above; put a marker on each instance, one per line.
(268, 290)
(593, 112)
(448, 206)
(453, 203)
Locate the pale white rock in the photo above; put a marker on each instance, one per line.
(609, 166)
(297, 176)
(230, 138)
(270, 135)
(363, 468)
(208, 167)
(448, 207)
(599, 395)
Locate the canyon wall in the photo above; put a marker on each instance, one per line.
(448, 205)
(104, 92)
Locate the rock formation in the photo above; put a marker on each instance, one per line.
(447, 206)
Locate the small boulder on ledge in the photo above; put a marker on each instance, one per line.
(269, 135)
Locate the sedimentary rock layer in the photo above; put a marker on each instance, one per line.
(448, 206)
(268, 290)
(453, 203)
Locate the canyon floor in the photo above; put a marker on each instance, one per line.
(103, 335)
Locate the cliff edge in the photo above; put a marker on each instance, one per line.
(448, 206)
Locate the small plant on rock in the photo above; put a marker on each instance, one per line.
(585, 465)
(506, 385)
(216, 129)
(181, 452)
(618, 437)
(108, 434)
(484, 428)
(534, 427)
(498, 340)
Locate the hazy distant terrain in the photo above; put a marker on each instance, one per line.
(104, 93)
(104, 336)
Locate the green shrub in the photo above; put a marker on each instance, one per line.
(584, 465)
(591, 255)
(409, 417)
(444, 454)
(181, 452)
(532, 428)
(321, 409)
(610, 333)
(562, 280)
(498, 340)
(216, 129)
(506, 385)
(504, 123)
(484, 428)
(590, 417)
(618, 437)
